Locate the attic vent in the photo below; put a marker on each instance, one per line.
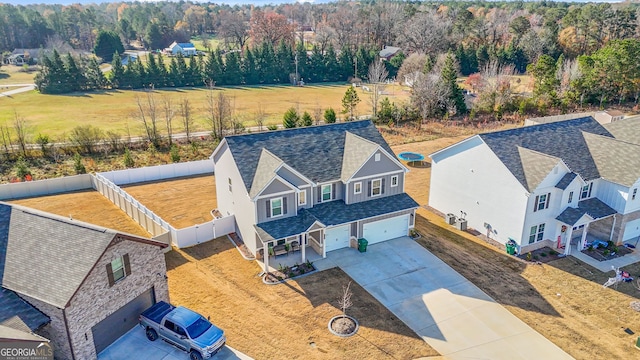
(378, 157)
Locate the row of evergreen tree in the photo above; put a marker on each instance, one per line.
(263, 64)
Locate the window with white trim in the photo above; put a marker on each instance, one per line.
(357, 188)
(326, 192)
(276, 207)
(570, 197)
(536, 233)
(542, 202)
(376, 187)
(635, 192)
(394, 181)
(302, 198)
(586, 191)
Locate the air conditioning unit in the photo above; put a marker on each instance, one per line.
(450, 219)
(461, 224)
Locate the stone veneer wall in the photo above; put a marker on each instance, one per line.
(95, 300)
(601, 229)
(55, 331)
(621, 221)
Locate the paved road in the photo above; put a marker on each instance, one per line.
(451, 314)
(20, 89)
(134, 345)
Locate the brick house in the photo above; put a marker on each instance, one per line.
(79, 285)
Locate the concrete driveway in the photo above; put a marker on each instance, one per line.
(451, 314)
(134, 345)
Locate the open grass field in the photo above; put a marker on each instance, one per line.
(10, 74)
(88, 206)
(116, 110)
(286, 321)
(563, 300)
(183, 202)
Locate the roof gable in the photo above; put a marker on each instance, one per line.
(356, 152)
(625, 130)
(536, 166)
(562, 139)
(316, 152)
(617, 161)
(265, 172)
(46, 256)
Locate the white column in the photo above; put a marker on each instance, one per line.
(265, 257)
(303, 246)
(612, 228)
(567, 244)
(583, 241)
(322, 242)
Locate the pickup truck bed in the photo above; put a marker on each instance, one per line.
(158, 311)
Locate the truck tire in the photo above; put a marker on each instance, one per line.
(151, 334)
(194, 355)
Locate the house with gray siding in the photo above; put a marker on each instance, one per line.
(317, 188)
(76, 285)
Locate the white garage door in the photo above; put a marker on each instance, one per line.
(631, 230)
(386, 229)
(337, 237)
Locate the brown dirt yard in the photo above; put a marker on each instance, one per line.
(88, 206)
(285, 321)
(183, 202)
(563, 300)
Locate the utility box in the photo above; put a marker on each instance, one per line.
(461, 224)
(450, 219)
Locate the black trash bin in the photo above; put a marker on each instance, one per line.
(362, 245)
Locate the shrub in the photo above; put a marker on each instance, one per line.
(590, 248)
(86, 137)
(553, 252)
(290, 119)
(535, 257)
(543, 254)
(605, 252)
(175, 153)
(43, 141)
(272, 127)
(128, 159)
(329, 116)
(529, 256)
(22, 169)
(78, 165)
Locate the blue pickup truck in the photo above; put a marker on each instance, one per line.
(183, 328)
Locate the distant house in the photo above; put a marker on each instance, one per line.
(128, 58)
(186, 49)
(20, 57)
(388, 52)
(74, 284)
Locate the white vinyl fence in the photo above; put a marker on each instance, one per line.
(203, 232)
(45, 187)
(160, 172)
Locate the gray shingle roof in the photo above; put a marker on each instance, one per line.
(356, 151)
(9, 333)
(18, 314)
(536, 166)
(562, 139)
(566, 180)
(617, 161)
(334, 213)
(626, 129)
(265, 171)
(593, 207)
(46, 256)
(315, 151)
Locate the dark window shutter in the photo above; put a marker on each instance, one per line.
(284, 205)
(110, 275)
(548, 200)
(268, 208)
(382, 186)
(590, 187)
(127, 264)
(369, 187)
(333, 191)
(535, 204)
(319, 194)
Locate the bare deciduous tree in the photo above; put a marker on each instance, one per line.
(427, 94)
(233, 28)
(86, 137)
(425, 32)
(148, 115)
(260, 116)
(21, 130)
(169, 113)
(317, 113)
(6, 138)
(219, 112)
(187, 120)
(377, 75)
(345, 299)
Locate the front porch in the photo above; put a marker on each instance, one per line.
(590, 222)
(292, 250)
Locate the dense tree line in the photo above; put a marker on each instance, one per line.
(259, 65)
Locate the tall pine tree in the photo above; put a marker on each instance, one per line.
(449, 77)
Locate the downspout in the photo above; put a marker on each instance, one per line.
(66, 327)
(612, 228)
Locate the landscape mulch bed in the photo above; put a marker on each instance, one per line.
(607, 253)
(543, 255)
(288, 272)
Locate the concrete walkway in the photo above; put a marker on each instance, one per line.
(134, 345)
(609, 265)
(20, 89)
(451, 314)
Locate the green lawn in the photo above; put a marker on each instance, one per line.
(10, 74)
(116, 110)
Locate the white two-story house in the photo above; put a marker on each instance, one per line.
(545, 185)
(313, 187)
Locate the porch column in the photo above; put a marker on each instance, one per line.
(303, 246)
(265, 257)
(583, 241)
(322, 241)
(612, 228)
(567, 244)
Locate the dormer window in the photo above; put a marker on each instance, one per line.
(586, 191)
(326, 192)
(542, 202)
(302, 198)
